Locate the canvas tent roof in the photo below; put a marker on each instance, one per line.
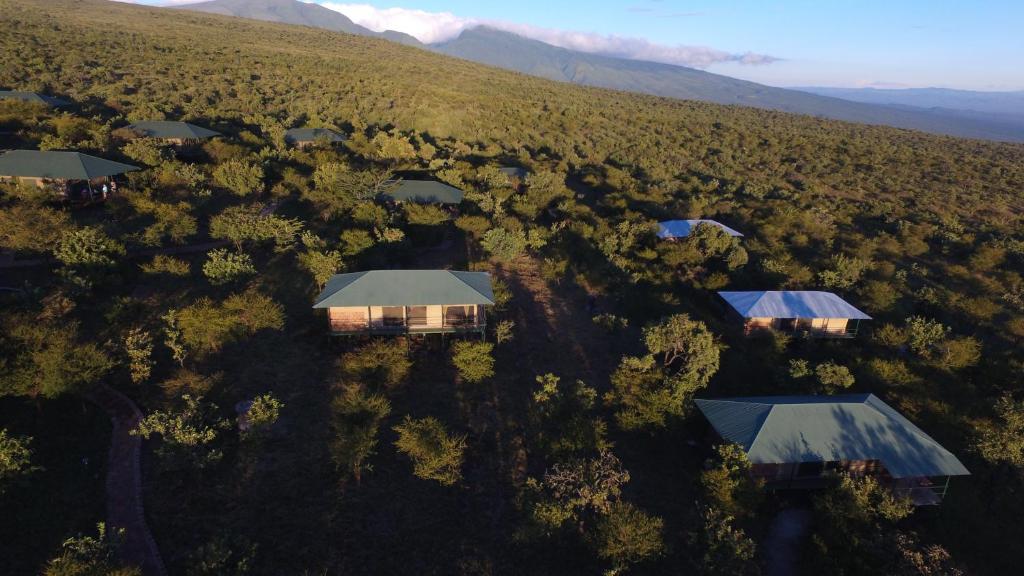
(32, 97)
(791, 304)
(406, 288)
(312, 134)
(172, 129)
(682, 228)
(59, 165)
(425, 192)
(514, 171)
(793, 429)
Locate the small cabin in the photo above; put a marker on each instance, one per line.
(33, 98)
(795, 442)
(516, 175)
(73, 176)
(172, 132)
(809, 313)
(406, 302)
(424, 192)
(305, 137)
(675, 229)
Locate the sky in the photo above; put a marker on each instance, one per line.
(968, 44)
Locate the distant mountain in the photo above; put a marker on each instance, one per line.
(510, 51)
(999, 103)
(295, 12)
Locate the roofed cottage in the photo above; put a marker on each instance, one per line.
(792, 441)
(178, 133)
(303, 137)
(32, 97)
(406, 301)
(424, 192)
(61, 169)
(813, 313)
(672, 229)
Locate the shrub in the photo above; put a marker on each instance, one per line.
(240, 176)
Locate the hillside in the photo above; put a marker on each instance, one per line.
(567, 439)
(512, 52)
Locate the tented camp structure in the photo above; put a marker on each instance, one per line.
(793, 441)
(424, 192)
(303, 137)
(33, 98)
(74, 175)
(672, 229)
(516, 174)
(177, 133)
(811, 313)
(406, 302)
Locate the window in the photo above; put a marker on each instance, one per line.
(394, 315)
(460, 315)
(417, 315)
(787, 324)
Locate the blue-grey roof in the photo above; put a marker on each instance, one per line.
(425, 192)
(792, 429)
(406, 288)
(56, 165)
(514, 171)
(682, 228)
(312, 134)
(32, 97)
(791, 304)
(172, 129)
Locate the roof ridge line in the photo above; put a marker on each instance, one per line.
(757, 433)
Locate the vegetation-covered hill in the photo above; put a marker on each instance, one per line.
(566, 443)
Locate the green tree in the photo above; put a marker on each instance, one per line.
(138, 347)
(188, 432)
(505, 245)
(240, 176)
(321, 265)
(1002, 441)
(473, 360)
(627, 535)
(91, 556)
(262, 414)
(924, 334)
(436, 455)
(241, 224)
(356, 420)
(727, 550)
(88, 247)
(49, 360)
(727, 482)
(844, 272)
(224, 267)
(15, 458)
(563, 419)
(149, 151)
(381, 364)
(832, 377)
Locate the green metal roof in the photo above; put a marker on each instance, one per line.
(172, 129)
(425, 192)
(312, 134)
(793, 429)
(59, 165)
(406, 288)
(32, 97)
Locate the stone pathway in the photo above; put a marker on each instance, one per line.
(785, 536)
(124, 482)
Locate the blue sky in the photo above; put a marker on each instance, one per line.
(896, 43)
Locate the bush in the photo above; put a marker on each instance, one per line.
(88, 247)
(628, 535)
(169, 265)
(380, 363)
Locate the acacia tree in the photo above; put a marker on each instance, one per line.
(436, 455)
(1002, 442)
(682, 357)
(627, 535)
(473, 360)
(728, 484)
(188, 432)
(356, 419)
(15, 458)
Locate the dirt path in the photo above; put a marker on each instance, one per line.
(124, 482)
(785, 537)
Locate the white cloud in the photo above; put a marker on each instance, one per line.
(431, 27)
